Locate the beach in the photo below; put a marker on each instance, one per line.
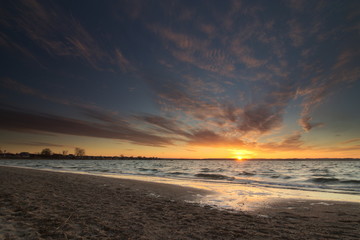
(37, 204)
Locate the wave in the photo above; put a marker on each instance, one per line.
(334, 180)
(275, 176)
(178, 173)
(205, 170)
(324, 180)
(148, 170)
(323, 175)
(244, 173)
(280, 176)
(212, 170)
(107, 171)
(320, 170)
(213, 176)
(351, 181)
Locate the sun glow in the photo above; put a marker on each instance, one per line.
(241, 155)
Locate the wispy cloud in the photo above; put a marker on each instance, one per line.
(172, 126)
(16, 120)
(296, 33)
(35, 144)
(307, 125)
(60, 34)
(260, 118)
(205, 137)
(11, 84)
(288, 143)
(8, 43)
(124, 63)
(297, 5)
(193, 50)
(351, 141)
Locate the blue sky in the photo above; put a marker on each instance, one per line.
(181, 78)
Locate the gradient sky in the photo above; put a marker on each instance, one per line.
(182, 79)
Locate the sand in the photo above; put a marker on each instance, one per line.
(37, 204)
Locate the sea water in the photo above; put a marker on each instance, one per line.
(240, 185)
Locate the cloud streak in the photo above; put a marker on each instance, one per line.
(15, 120)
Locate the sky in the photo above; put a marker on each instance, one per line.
(181, 79)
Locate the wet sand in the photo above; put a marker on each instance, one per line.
(38, 204)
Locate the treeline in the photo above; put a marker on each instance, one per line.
(79, 153)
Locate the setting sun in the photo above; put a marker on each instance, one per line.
(241, 154)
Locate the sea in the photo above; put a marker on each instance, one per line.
(235, 185)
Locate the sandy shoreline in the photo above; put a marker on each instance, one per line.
(49, 205)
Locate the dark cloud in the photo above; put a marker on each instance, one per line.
(288, 143)
(36, 144)
(15, 120)
(173, 94)
(171, 125)
(307, 125)
(205, 137)
(260, 118)
(230, 112)
(102, 115)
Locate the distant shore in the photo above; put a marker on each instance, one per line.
(40, 204)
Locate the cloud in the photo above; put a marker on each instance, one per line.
(171, 125)
(260, 118)
(60, 34)
(231, 112)
(36, 144)
(7, 43)
(297, 5)
(174, 95)
(296, 33)
(124, 63)
(288, 143)
(324, 84)
(351, 141)
(102, 115)
(312, 98)
(307, 125)
(15, 120)
(207, 28)
(345, 57)
(194, 50)
(17, 86)
(205, 137)
(345, 149)
(244, 55)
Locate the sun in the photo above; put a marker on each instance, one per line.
(241, 155)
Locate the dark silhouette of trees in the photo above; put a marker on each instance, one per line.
(46, 152)
(79, 152)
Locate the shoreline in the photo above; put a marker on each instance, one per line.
(242, 197)
(194, 193)
(40, 204)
